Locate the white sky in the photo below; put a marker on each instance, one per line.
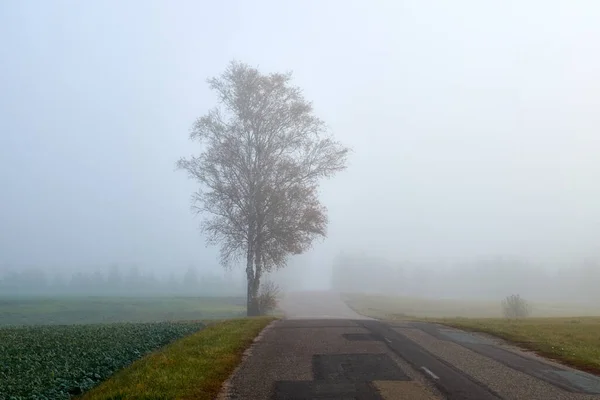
(474, 124)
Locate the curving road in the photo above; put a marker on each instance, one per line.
(324, 350)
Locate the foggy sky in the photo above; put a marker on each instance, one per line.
(474, 126)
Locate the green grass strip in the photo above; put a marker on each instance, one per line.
(573, 341)
(194, 367)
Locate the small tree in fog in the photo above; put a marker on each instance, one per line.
(262, 157)
(515, 306)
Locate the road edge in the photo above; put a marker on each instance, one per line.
(226, 391)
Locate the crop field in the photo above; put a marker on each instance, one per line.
(92, 310)
(58, 362)
(194, 367)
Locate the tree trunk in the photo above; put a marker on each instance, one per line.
(257, 275)
(252, 300)
(251, 293)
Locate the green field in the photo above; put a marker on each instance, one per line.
(57, 362)
(569, 333)
(194, 367)
(92, 310)
(60, 347)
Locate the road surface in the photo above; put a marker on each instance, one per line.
(324, 350)
(316, 305)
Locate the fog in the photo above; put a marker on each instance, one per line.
(474, 129)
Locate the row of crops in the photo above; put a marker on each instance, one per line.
(59, 362)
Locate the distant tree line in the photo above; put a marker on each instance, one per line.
(489, 278)
(115, 281)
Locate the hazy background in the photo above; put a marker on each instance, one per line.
(474, 127)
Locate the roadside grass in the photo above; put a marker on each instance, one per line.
(19, 310)
(573, 340)
(194, 367)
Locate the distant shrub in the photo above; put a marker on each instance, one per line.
(267, 297)
(515, 306)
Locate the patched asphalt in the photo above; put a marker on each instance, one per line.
(324, 350)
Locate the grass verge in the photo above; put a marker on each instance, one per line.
(194, 367)
(572, 341)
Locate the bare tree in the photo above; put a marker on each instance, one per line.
(264, 154)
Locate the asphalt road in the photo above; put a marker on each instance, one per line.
(316, 305)
(324, 350)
